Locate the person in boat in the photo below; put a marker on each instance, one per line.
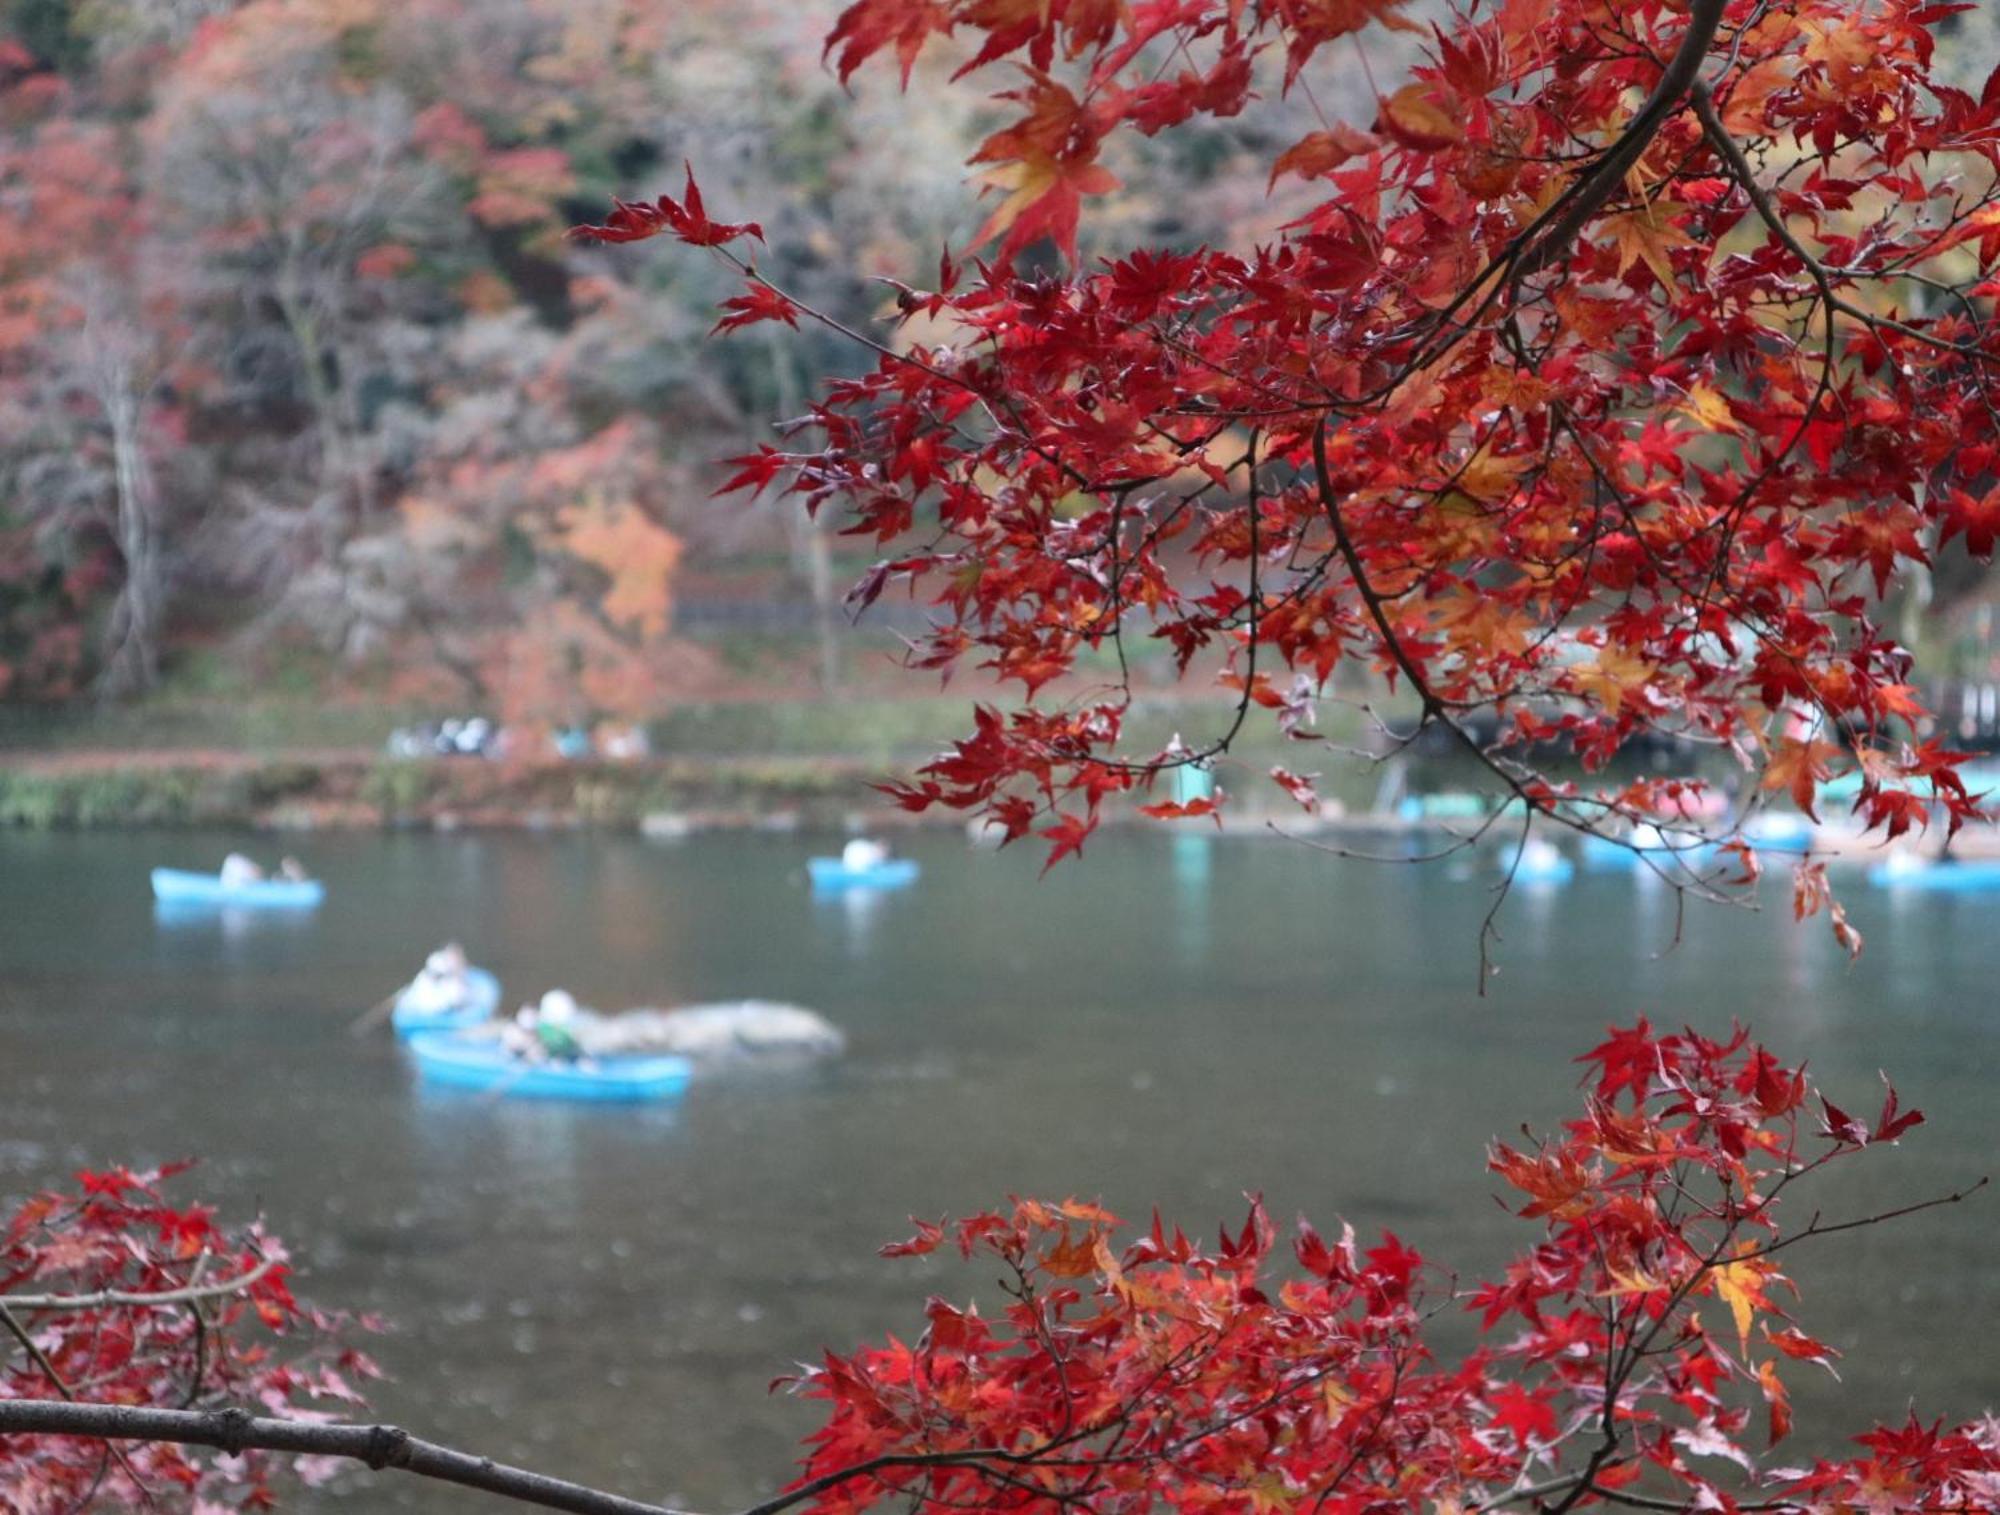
(238, 870)
(292, 870)
(863, 854)
(543, 1033)
(441, 984)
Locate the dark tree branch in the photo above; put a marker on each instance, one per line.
(380, 1447)
(1680, 77)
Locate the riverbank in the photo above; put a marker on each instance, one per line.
(356, 789)
(312, 791)
(771, 764)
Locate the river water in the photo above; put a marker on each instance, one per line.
(605, 1293)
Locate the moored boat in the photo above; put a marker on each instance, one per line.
(178, 886)
(464, 1061)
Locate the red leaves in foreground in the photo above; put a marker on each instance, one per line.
(221, 1346)
(1140, 1373)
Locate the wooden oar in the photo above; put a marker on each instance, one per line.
(374, 1015)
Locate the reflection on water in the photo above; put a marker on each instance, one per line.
(1179, 1018)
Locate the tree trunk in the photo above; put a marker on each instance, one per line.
(811, 537)
(132, 664)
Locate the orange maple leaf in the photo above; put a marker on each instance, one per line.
(1414, 118)
(1319, 152)
(1648, 235)
(1618, 680)
(1049, 160)
(1740, 1285)
(1800, 767)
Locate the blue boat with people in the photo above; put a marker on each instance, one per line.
(178, 886)
(461, 1060)
(862, 864)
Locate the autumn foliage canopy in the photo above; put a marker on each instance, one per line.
(1613, 373)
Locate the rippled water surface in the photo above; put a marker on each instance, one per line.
(605, 1293)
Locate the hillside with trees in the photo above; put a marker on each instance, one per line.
(300, 375)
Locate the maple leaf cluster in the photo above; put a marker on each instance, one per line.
(1639, 1351)
(77, 1271)
(1615, 372)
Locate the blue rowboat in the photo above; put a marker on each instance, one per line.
(1538, 867)
(1952, 877)
(478, 1062)
(832, 873)
(482, 998)
(176, 886)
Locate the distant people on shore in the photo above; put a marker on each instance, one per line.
(623, 742)
(471, 736)
(476, 736)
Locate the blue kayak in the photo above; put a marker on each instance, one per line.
(478, 1062)
(832, 873)
(482, 998)
(1952, 877)
(176, 886)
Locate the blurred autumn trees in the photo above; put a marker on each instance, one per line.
(292, 352)
(291, 347)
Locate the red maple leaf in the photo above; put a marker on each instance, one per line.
(685, 218)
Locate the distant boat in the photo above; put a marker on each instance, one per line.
(1541, 862)
(834, 873)
(176, 886)
(1646, 845)
(463, 1061)
(1949, 876)
(482, 998)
